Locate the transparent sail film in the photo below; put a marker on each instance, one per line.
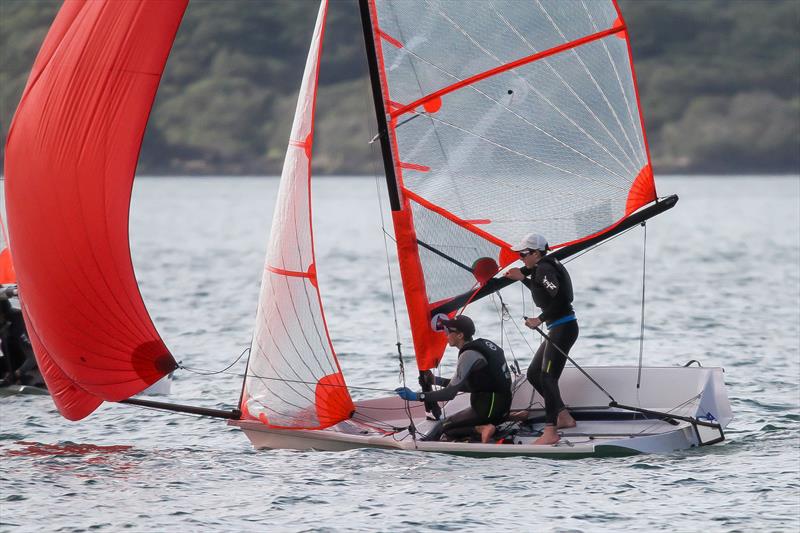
(508, 117)
(293, 378)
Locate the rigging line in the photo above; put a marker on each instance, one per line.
(273, 338)
(572, 91)
(641, 328)
(289, 336)
(585, 68)
(499, 62)
(298, 240)
(297, 392)
(619, 80)
(407, 408)
(444, 255)
(386, 250)
(504, 316)
(203, 372)
(693, 398)
(394, 304)
(601, 243)
(285, 380)
(268, 360)
(374, 424)
(402, 36)
(571, 360)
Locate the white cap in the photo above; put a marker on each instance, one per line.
(532, 241)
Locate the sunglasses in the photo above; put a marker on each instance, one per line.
(525, 253)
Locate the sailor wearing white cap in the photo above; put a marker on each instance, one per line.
(551, 289)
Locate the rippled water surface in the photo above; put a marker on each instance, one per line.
(723, 287)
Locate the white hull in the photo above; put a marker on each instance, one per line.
(600, 431)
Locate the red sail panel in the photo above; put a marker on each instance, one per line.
(293, 377)
(428, 343)
(7, 274)
(71, 156)
(505, 118)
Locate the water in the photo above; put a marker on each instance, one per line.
(723, 287)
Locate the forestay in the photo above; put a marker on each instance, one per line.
(504, 117)
(293, 377)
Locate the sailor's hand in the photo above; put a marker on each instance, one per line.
(533, 322)
(406, 394)
(515, 274)
(426, 379)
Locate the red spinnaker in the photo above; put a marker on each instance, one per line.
(71, 156)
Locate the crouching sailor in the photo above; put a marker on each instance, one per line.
(483, 372)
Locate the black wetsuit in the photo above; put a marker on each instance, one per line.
(551, 288)
(482, 370)
(18, 362)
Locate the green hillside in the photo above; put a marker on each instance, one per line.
(719, 80)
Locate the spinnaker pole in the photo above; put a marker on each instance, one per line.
(233, 414)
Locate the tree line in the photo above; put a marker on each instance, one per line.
(719, 83)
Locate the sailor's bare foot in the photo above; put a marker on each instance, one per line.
(487, 432)
(549, 436)
(518, 416)
(565, 420)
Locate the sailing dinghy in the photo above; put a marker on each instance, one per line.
(495, 118)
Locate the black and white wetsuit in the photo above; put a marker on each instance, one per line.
(551, 289)
(483, 372)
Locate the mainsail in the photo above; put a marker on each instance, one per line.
(501, 117)
(71, 156)
(293, 377)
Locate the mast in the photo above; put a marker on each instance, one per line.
(428, 343)
(380, 110)
(427, 352)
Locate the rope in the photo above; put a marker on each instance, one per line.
(571, 360)
(641, 328)
(402, 370)
(211, 373)
(601, 243)
(693, 398)
(505, 315)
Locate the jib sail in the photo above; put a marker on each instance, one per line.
(293, 377)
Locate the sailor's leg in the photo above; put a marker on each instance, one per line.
(535, 369)
(462, 424)
(553, 363)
